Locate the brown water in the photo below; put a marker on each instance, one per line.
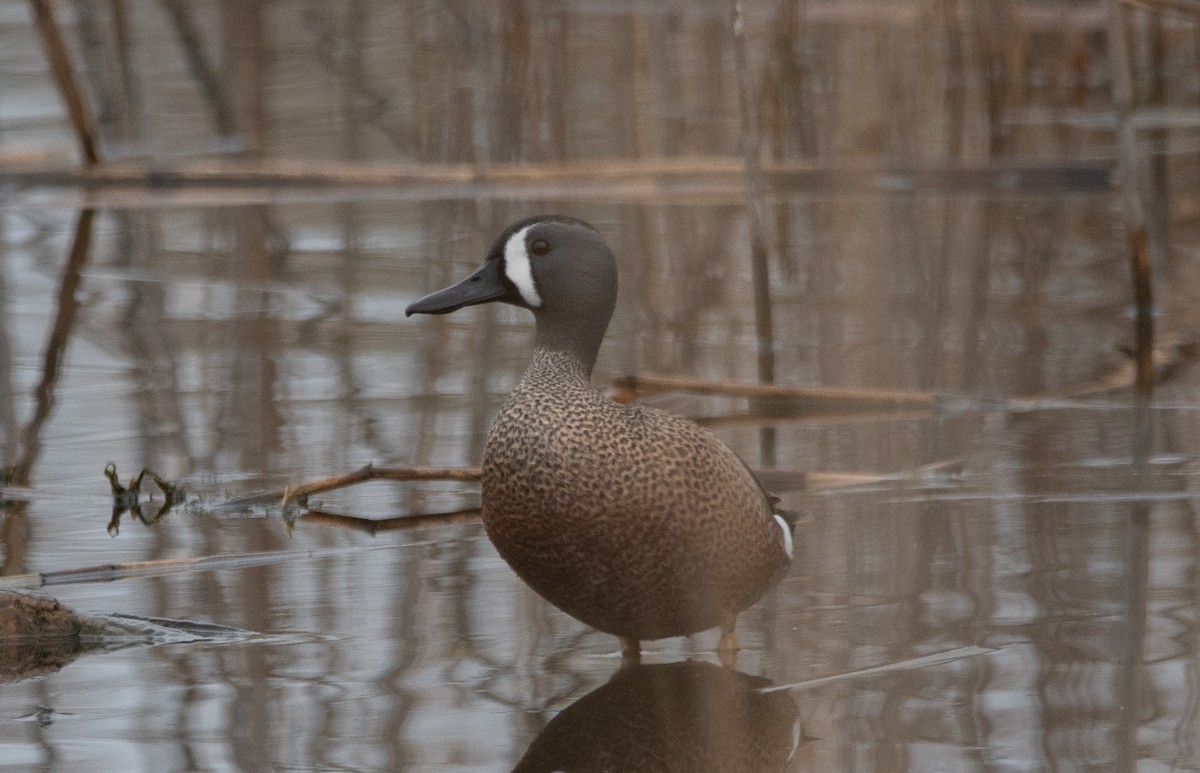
(975, 596)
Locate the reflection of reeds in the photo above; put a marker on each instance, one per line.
(56, 346)
(14, 525)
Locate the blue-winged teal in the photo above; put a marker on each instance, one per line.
(635, 521)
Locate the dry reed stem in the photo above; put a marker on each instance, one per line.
(64, 75)
(1133, 373)
(651, 177)
(631, 386)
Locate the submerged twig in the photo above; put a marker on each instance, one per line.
(158, 568)
(924, 661)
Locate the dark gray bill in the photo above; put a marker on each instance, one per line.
(482, 286)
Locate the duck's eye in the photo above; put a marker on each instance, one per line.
(540, 247)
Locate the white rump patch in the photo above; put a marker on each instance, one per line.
(518, 270)
(788, 546)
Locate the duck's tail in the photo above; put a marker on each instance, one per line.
(790, 517)
(787, 520)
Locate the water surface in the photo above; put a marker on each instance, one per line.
(968, 591)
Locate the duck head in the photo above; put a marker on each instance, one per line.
(559, 268)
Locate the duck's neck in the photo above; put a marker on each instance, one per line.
(576, 337)
(556, 366)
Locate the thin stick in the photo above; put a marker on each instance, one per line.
(1144, 314)
(924, 661)
(64, 74)
(158, 568)
(1135, 188)
(764, 328)
(629, 386)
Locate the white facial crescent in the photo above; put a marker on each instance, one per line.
(518, 270)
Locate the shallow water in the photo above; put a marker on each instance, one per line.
(968, 591)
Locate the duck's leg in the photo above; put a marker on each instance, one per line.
(631, 651)
(727, 648)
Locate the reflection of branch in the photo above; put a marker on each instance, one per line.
(374, 526)
(60, 64)
(56, 345)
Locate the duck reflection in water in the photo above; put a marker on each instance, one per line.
(688, 716)
(636, 521)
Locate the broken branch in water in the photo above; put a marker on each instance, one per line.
(299, 494)
(130, 498)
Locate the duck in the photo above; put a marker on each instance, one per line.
(635, 521)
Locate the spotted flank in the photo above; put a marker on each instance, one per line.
(518, 270)
(787, 535)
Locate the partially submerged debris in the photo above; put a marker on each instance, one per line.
(129, 498)
(39, 636)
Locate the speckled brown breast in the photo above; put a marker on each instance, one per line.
(635, 521)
